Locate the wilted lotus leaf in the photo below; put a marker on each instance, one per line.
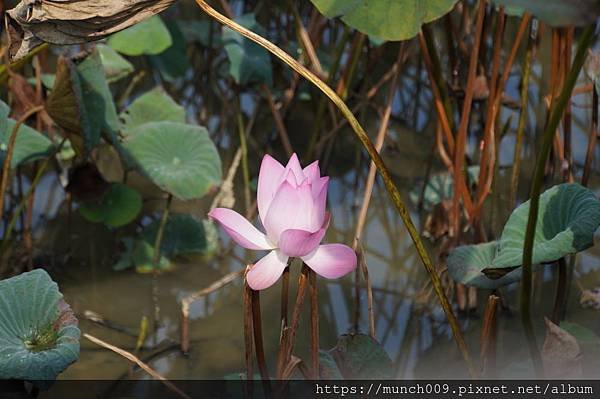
(81, 102)
(561, 354)
(38, 330)
(32, 22)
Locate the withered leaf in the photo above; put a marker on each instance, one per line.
(32, 22)
(561, 354)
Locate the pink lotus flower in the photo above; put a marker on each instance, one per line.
(291, 206)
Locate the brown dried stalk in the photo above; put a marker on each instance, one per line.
(9, 153)
(137, 361)
(489, 334)
(288, 338)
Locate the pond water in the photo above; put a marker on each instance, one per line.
(409, 322)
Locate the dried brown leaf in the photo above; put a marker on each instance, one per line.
(32, 22)
(561, 354)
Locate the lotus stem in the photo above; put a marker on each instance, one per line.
(314, 324)
(288, 337)
(156, 259)
(488, 337)
(245, 169)
(375, 157)
(248, 346)
(589, 156)
(536, 187)
(258, 342)
(13, 220)
(10, 151)
(514, 181)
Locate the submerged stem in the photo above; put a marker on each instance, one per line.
(375, 157)
(555, 117)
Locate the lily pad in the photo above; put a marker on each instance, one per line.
(153, 106)
(181, 159)
(115, 66)
(30, 145)
(182, 235)
(359, 356)
(118, 206)
(569, 214)
(150, 36)
(248, 62)
(466, 263)
(38, 330)
(556, 12)
(385, 19)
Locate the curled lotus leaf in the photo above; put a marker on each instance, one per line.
(39, 337)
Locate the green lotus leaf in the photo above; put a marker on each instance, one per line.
(153, 106)
(569, 214)
(172, 63)
(248, 62)
(328, 368)
(115, 66)
(30, 145)
(39, 337)
(182, 235)
(118, 206)
(466, 263)
(181, 159)
(359, 356)
(440, 186)
(385, 19)
(143, 256)
(556, 12)
(150, 36)
(199, 31)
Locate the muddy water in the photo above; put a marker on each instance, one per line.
(408, 322)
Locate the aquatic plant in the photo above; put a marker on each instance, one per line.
(39, 337)
(291, 205)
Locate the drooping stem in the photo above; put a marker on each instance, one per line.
(380, 165)
(553, 121)
(156, 259)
